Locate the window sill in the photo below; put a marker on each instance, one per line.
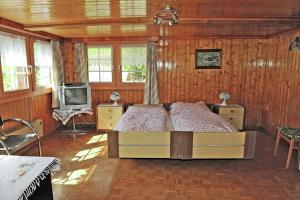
(22, 94)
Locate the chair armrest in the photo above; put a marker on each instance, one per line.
(22, 122)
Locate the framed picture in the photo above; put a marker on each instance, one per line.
(208, 58)
(294, 44)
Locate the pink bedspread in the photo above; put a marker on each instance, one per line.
(141, 118)
(197, 117)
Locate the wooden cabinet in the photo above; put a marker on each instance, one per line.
(108, 116)
(233, 113)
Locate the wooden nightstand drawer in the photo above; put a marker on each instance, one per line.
(108, 116)
(231, 111)
(234, 114)
(237, 122)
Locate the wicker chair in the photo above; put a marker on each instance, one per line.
(11, 143)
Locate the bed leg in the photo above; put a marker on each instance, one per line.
(113, 144)
(250, 142)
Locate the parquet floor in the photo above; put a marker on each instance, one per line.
(87, 174)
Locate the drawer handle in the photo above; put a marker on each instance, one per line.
(231, 118)
(232, 111)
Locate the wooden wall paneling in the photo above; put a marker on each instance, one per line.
(188, 90)
(237, 75)
(197, 76)
(226, 65)
(183, 69)
(281, 99)
(235, 71)
(255, 72)
(41, 109)
(30, 109)
(176, 61)
(69, 62)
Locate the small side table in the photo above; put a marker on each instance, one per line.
(65, 115)
(233, 113)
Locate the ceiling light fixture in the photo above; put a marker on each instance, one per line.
(166, 16)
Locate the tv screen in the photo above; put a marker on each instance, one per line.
(75, 96)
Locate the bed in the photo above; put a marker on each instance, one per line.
(188, 131)
(144, 132)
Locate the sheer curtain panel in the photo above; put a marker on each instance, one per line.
(43, 63)
(81, 64)
(13, 62)
(151, 89)
(58, 72)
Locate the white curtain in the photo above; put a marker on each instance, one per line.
(13, 61)
(151, 89)
(43, 62)
(58, 72)
(81, 63)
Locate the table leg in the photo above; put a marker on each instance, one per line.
(74, 131)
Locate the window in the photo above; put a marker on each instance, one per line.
(99, 9)
(43, 63)
(133, 8)
(133, 62)
(13, 62)
(131, 59)
(100, 63)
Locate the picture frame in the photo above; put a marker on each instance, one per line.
(208, 58)
(294, 44)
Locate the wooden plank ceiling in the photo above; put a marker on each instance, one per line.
(109, 18)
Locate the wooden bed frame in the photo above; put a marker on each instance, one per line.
(182, 144)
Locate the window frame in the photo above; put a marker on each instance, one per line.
(132, 45)
(116, 67)
(107, 84)
(8, 96)
(28, 74)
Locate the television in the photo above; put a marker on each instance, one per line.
(75, 96)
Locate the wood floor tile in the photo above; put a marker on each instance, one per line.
(88, 174)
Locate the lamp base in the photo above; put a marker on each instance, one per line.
(115, 103)
(223, 103)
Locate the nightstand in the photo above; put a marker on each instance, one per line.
(108, 116)
(233, 113)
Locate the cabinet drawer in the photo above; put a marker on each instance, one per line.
(218, 152)
(217, 139)
(136, 138)
(231, 111)
(104, 122)
(104, 111)
(236, 121)
(144, 151)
